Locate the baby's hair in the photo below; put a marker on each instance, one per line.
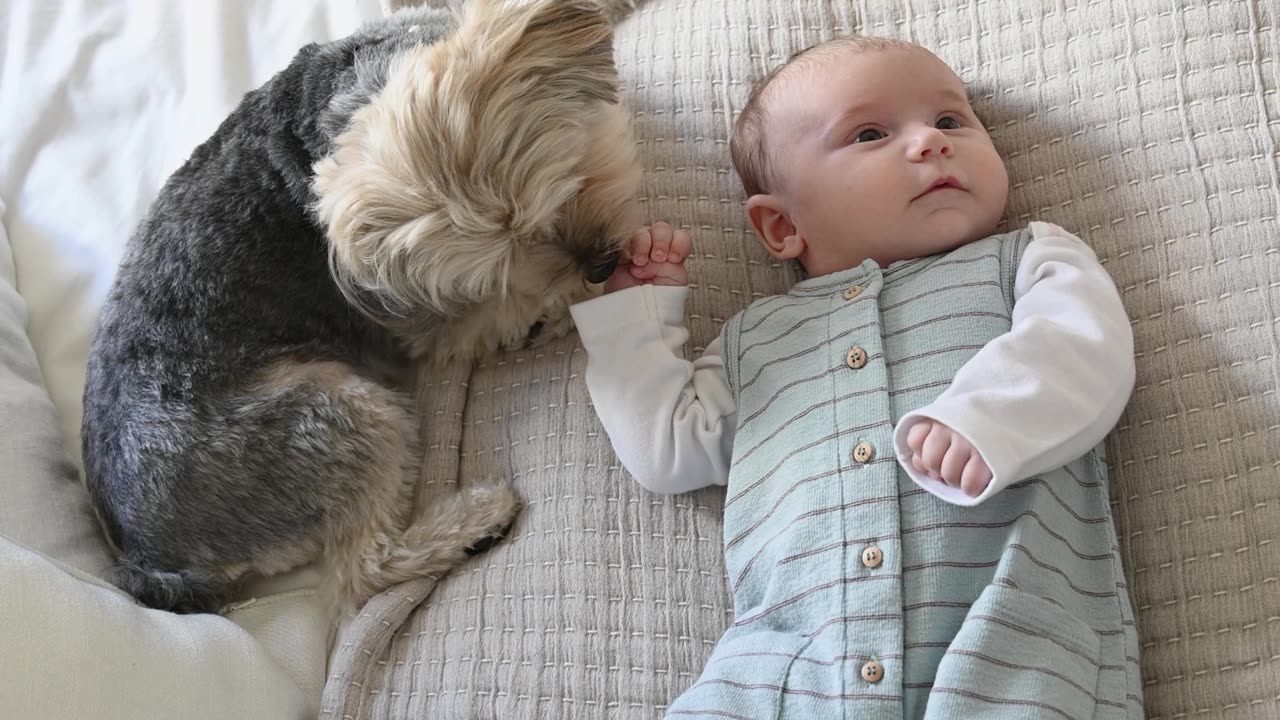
(747, 147)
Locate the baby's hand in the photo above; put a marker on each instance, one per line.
(654, 255)
(943, 454)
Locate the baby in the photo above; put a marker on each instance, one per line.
(917, 521)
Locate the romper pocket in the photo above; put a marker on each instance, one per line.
(746, 676)
(1017, 655)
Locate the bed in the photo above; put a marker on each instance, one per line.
(1151, 128)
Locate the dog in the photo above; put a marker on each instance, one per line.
(430, 189)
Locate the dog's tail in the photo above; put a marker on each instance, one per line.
(182, 591)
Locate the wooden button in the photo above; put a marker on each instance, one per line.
(863, 452)
(872, 556)
(872, 671)
(852, 292)
(856, 358)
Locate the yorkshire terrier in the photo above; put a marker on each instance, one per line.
(431, 189)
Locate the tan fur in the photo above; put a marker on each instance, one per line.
(464, 204)
(458, 201)
(604, 205)
(614, 10)
(383, 536)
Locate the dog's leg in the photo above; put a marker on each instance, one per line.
(251, 481)
(447, 531)
(374, 537)
(311, 457)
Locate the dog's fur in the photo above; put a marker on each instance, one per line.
(430, 187)
(614, 10)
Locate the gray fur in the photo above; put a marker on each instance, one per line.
(196, 469)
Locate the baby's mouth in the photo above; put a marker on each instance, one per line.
(943, 183)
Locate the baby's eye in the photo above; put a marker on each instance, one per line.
(948, 122)
(868, 135)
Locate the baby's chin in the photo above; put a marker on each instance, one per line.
(948, 231)
(940, 233)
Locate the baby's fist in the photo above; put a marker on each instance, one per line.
(653, 255)
(945, 455)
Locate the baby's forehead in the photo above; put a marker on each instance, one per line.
(801, 102)
(824, 62)
(790, 96)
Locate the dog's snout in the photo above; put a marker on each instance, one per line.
(601, 271)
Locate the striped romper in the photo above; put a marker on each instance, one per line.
(858, 594)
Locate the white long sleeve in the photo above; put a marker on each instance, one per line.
(1051, 388)
(671, 421)
(1033, 399)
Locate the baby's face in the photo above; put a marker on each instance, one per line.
(878, 155)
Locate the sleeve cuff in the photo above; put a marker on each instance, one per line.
(605, 316)
(937, 488)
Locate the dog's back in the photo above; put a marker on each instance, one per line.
(225, 279)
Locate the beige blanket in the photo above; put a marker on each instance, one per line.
(1151, 128)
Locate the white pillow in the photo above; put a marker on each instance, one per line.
(42, 503)
(74, 647)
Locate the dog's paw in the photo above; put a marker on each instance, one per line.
(492, 509)
(536, 336)
(487, 542)
(549, 329)
(532, 336)
(535, 331)
(556, 321)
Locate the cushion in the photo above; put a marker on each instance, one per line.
(43, 506)
(75, 647)
(1146, 128)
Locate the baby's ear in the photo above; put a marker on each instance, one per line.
(773, 226)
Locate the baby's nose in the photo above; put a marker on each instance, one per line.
(929, 143)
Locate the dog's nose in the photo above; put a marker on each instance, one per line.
(601, 272)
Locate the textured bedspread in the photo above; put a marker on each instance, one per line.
(1151, 128)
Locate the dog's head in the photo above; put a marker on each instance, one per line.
(490, 182)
